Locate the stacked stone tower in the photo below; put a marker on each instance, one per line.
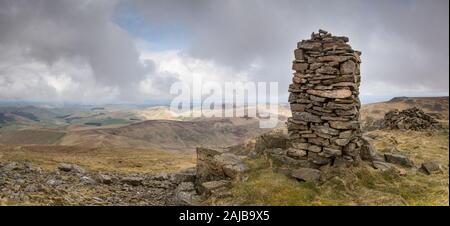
(324, 127)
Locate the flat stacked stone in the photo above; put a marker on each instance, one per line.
(324, 127)
(411, 118)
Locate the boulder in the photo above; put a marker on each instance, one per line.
(398, 159)
(369, 153)
(430, 167)
(231, 164)
(65, 167)
(104, 179)
(132, 180)
(206, 167)
(88, 180)
(306, 174)
(78, 169)
(11, 166)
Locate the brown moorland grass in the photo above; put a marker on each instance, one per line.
(126, 160)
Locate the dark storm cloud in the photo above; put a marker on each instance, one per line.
(50, 31)
(404, 43)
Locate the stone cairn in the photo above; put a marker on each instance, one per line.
(324, 127)
(412, 118)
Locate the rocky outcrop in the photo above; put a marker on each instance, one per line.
(325, 126)
(409, 119)
(218, 164)
(23, 183)
(215, 170)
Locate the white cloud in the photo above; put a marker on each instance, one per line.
(183, 68)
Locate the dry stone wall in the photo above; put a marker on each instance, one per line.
(324, 127)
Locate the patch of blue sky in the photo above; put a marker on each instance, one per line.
(159, 36)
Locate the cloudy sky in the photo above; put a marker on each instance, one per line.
(99, 51)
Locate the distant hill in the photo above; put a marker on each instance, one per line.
(170, 134)
(31, 137)
(435, 106)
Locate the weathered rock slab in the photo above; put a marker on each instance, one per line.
(306, 174)
(398, 159)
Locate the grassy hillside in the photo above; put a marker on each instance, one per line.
(436, 106)
(30, 137)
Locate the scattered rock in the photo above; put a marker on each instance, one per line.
(54, 182)
(87, 180)
(11, 166)
(66, 167)
(306, 174)
(369, 153)
(383, 166)
(104, 179)
(133, 181)
(78, 169)
(26, 184)
(430, 167)
(398, 159)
